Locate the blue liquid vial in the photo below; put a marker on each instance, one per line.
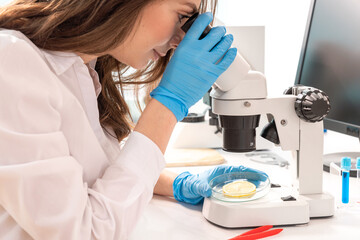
(345, 186)
(345, 167)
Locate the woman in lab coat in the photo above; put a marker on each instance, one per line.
(63, 174)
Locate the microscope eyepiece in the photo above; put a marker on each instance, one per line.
(190, 21)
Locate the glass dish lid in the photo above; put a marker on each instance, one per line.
(240, 186)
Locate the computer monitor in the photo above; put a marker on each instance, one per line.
(330, 61)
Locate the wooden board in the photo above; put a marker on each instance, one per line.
(192, 157)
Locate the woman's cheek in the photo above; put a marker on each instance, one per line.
(166, 33)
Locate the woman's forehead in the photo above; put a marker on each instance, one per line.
(194, 4)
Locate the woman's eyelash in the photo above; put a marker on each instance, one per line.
(181, 17)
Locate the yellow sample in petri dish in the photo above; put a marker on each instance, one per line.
(239, 189)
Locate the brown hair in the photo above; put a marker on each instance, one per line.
(82, 26)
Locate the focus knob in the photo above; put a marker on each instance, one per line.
(312, 105)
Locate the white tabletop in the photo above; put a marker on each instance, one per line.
(165, 218)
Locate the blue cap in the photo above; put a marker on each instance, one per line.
(346, 163)
(358, 163)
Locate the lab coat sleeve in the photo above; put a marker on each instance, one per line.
(41, 184)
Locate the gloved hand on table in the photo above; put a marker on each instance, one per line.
(192, 69)
(192, 188)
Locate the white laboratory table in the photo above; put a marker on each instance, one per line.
(165, 218)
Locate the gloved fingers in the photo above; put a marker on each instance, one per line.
(262, 176)
(250, 173)
(228, 58)
(222, 47)
(213, 38)
(232, 169)
(198, 27)
(203, 189)
(216, 171)
(222, 169)
(239, 168)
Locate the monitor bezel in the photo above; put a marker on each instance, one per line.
(331, 124)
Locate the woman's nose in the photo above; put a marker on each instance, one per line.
(176, 39)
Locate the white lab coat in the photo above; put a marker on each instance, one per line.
(61, 176)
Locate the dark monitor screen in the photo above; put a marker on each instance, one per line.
(330, 60)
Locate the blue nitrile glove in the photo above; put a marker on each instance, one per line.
(192, 188)
(192, 69)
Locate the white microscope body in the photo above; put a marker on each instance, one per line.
(242, 92)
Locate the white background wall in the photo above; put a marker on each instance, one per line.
(2, 2)
(284, 22)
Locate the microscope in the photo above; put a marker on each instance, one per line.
(239, 97)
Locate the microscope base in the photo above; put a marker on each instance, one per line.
(321, 205)
(269, 210)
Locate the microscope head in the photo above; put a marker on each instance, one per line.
(239, 130)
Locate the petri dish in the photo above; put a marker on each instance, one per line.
(260, 180)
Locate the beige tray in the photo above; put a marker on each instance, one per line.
(192, 157)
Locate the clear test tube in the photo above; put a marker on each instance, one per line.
(345, 167)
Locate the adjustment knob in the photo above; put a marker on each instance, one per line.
(312, 105)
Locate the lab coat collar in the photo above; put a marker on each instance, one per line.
(94, 76)
(61, 61)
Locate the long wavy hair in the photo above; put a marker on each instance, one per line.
(92, 27)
